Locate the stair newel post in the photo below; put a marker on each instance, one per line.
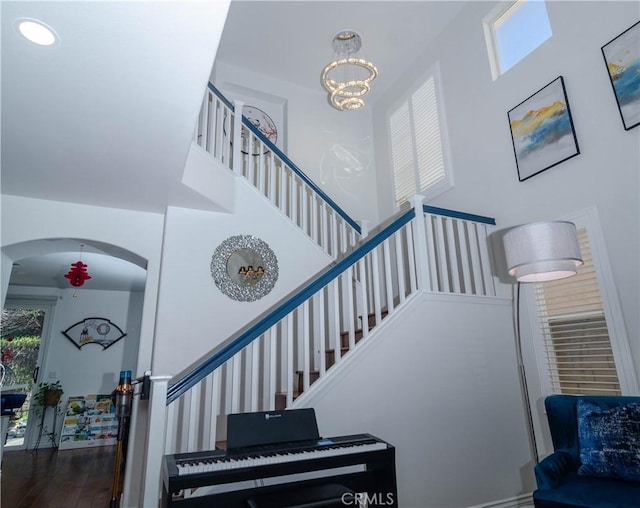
(237, 137)
(420, 243)
(364, 228)
(156, 437)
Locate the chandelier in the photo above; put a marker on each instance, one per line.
(348, 76)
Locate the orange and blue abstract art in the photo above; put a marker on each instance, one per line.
(542, 130)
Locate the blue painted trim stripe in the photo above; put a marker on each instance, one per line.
(458, 215)
(300, 173)
(182, 385)
(221, 97)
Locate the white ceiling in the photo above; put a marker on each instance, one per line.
(44, 263)
(106, 272)
(291, 40)
(105, 116)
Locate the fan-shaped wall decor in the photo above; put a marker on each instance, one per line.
(94, 330)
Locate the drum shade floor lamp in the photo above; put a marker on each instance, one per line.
(539, 252)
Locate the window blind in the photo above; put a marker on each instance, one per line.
(402, 153)
(416, 144)
(577, 346)
(427, 134)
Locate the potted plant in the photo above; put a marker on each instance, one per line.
(48, 395)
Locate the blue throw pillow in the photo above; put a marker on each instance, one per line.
(609, 441)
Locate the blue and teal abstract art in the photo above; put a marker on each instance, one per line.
(622, 56)
(542, 130)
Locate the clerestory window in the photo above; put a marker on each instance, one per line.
(514, 31)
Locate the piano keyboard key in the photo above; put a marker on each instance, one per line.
(227, 463)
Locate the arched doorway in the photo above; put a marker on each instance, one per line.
(37, 285)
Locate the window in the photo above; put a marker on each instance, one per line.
(514, 32)
(416, 129)
(576, 338)
(584, 349)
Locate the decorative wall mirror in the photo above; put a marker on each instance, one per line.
(244, 268)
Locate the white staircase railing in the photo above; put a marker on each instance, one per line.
(457, 254)
(299, 341)
(215, 127)
(270, 171)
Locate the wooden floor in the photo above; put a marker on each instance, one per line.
(48, 478)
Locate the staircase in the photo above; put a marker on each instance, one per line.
(272, 173)
(331, 356)
(280, 359)
(345, 342)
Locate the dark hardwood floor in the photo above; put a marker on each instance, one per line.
(48, 478)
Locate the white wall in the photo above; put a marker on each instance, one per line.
(313, 130)
(210, 180)
(444, 391)
(604, 175)
(193, 315)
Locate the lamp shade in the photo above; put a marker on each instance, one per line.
(542, 251)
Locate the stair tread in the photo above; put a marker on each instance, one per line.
(330, 352)
(382, 311)
(296, 393)
(359, 330)
(344, 349)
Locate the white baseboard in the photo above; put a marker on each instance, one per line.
(523, 501)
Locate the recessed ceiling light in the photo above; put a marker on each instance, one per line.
(37, 32)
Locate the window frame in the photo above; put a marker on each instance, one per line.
(491, 39)
(48, 305)
(589, 220)
(447, 182)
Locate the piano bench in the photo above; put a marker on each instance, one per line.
(329, 495)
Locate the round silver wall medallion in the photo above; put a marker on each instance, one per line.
(244, 268)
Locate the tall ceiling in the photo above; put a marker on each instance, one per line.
(105, 116)
(292, 40)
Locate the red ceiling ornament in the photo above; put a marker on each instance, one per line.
(78, 274)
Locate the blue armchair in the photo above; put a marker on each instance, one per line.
(560, 484)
